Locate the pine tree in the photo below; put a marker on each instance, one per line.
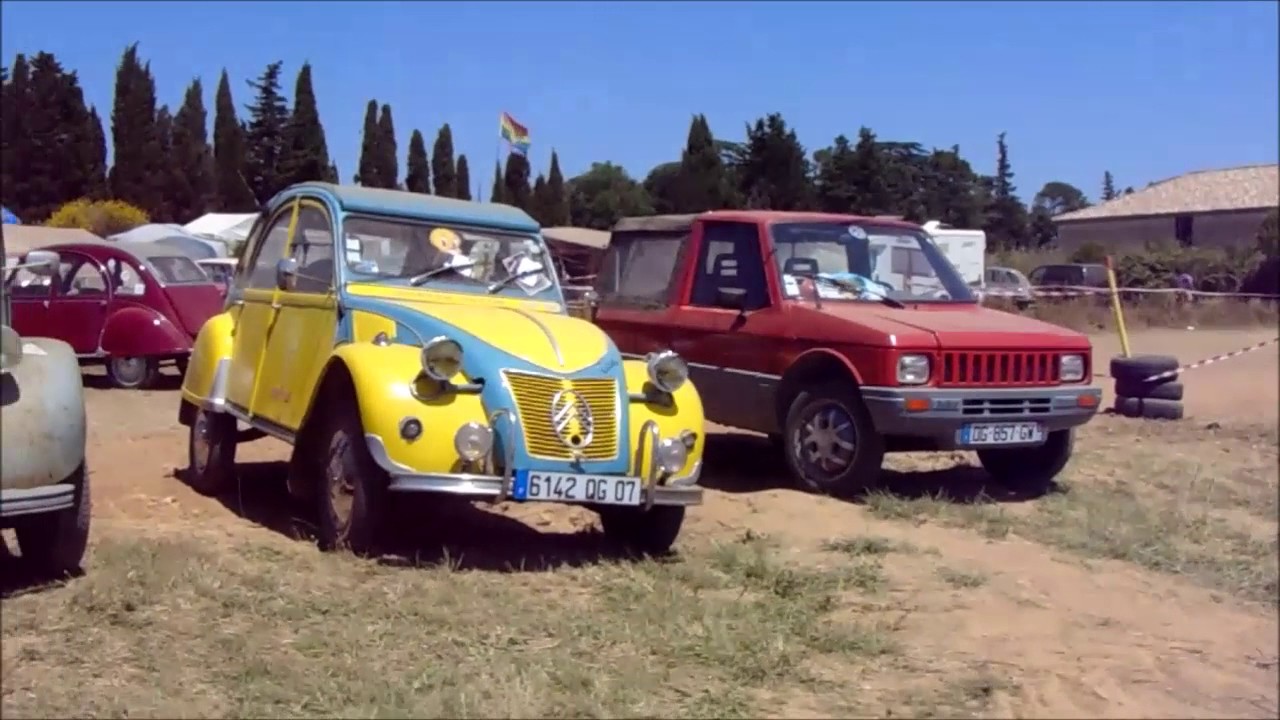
(418, 168)
(867, 174)
(464, 179)
(306, 154)
(702, 183)
(442, 169)
(515, 181)
(775, 170)
(1108, 187)
(191, 189)
(367, 174)
(231, 190)
(496, 192)
(135, 176)
(264, 140)
(57, 135)
(557, 209)
(15, 138)
(95, 157)
(164, 211)
(388, 163)
(1006, 225)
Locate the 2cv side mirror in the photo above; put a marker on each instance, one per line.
(41, 262)
(286, 273)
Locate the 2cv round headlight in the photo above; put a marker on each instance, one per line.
(667, 370)
(441, 358)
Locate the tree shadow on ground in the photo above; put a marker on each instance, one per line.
(742, 463)
(424, 530)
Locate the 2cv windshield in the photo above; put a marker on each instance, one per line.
(466, 259)
(864, 262)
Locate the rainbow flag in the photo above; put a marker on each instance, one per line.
(516, 135)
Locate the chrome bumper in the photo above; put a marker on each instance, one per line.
(38, 500)
(491, 486)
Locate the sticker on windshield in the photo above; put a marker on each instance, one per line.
(446, 240)
(857, 232)
(530, 275)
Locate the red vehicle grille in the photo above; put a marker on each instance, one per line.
(982, 369)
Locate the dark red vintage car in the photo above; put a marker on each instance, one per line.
(130, 306)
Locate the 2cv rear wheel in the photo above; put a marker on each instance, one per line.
(353, 489)
(132, 373)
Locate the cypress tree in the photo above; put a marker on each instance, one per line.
(15, 148)
(557, 209)
(515, 182)
(135, 176)
(306, 155)
(442, 169)
(495, 192)
(164, 210)
(95, 157)
(702, 183)
(191, 189)
(367, 174)
(264, 141)
(57, 134)
(540, 203)
(417, 168)
(464, 179)
(231, 190)
(388, 164)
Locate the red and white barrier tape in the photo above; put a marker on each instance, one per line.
(1079, 291)
(1216, 358)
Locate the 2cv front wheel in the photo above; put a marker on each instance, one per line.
(211, 452)
(648, 532)
(353, 489)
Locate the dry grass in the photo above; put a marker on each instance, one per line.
(1092, 314)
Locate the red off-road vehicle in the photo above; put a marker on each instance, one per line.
(843, 338)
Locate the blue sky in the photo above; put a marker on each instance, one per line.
(1146, 90)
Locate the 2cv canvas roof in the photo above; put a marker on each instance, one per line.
(417, 206)
(656, 223)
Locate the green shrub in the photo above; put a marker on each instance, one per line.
(100, 217)
(1089, 253)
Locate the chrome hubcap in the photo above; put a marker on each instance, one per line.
(826, 442)
(129, 370)
(341, 491)
(201, 445)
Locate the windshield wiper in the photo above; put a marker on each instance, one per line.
(495, 287)
(434, 272)
(883, 299)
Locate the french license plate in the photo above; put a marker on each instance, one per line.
(1015, 433)
(567, 487)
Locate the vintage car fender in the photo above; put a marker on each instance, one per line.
(42, 430)
(684, 412)
(137, 331)
(382, 378)
(212, 346)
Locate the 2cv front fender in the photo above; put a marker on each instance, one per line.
(43, 426)
(674, 415)
(212, 348)
(388, 390)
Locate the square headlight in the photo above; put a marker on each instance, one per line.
(1071, 368)
(913, 369)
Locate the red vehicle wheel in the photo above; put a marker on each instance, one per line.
(132, 373)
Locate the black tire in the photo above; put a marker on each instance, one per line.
(859, 471)
(1030, 470)
(54, 543)
(1140, 367)
(211, 452)
(1148, 409)
(1170, 390)
(349, 476)
(648, 532)
(132, 373)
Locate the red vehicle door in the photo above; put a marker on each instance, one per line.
(724, 326)
(78, 309)
(29, 299)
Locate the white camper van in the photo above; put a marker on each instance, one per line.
(966, 249)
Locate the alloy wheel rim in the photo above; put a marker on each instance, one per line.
(826, 442)
(201, 445)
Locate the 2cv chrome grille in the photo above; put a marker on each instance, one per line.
(533, 395)
(999, 369)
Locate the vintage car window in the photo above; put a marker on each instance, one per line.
(262, 276)
(730, 258)
(81, 277)
(391, 248)
(125, 278)
(313, 249)
(638, 267)
(23, 283)
(865, 262)
(176, 269)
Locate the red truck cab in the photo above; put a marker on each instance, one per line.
(843, 338)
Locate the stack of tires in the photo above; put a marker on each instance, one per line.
(1138, 397)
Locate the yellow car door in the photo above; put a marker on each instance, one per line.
(253, 311)
(304, 327)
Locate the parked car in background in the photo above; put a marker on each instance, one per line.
(1007, 283)
(220, 270)
(1088, 275)
(414, 344)
(129, 306)
(44, 486)
(801, 326)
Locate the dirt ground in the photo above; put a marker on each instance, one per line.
(1146, 587)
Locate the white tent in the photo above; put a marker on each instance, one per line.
(232, 228)
(198, 248)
